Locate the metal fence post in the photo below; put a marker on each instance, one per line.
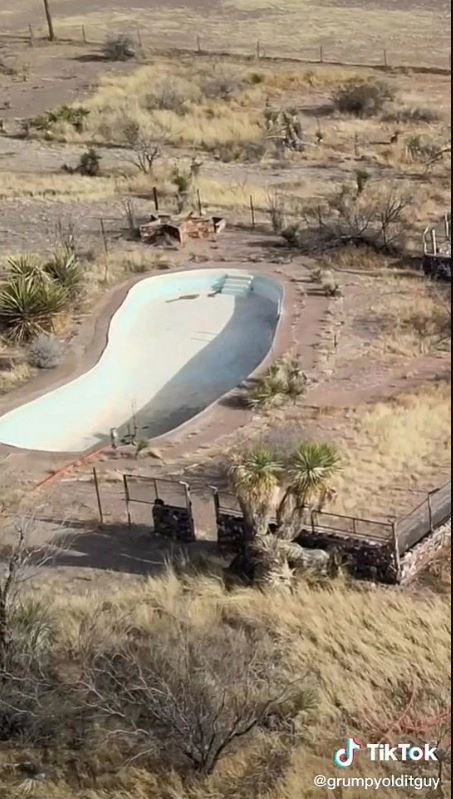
(189, 507)
(128, 500)
(396, 548)
(98, 495)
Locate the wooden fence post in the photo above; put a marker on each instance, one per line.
(434, 241)
(198, 44)
(84, 35)
(386, 63)
(258, 50)
(252, 212)
(447, 226)
(32, 36)
(200, 207)
(98, 496)
(156, 199)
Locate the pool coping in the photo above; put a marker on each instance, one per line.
(92, 339)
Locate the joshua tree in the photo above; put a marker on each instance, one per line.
(310, 475)
(254, 477)
(268, 493)
(265, 490)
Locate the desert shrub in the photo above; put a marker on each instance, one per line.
(45, 352)
(256, 78)
(362, 98)
(224, 86)
(169, 94)
(374, 216)
(90, 163)
(284, 380)
(119, 48)
(196, 694)
(277, 212)
(412, 115)
(71, 115)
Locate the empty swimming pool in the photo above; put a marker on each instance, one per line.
(177, 343)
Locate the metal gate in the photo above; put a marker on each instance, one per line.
(164, 505)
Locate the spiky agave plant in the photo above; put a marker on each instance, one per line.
(254, 478)
(28, 307)
(64, 268)
(26, 266)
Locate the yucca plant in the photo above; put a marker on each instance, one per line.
(283, 380)
(312, 468)
(28, 307)
(254, 478)
(26, 266)
(64, 268)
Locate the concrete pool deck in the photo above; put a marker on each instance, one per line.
(301, 329)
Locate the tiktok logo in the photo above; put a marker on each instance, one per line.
(344, 758)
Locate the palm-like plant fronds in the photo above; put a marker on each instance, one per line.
(254, 478)
(25, 266)
(283, 380)
(28, 307)
(312, 468)
(64, 269)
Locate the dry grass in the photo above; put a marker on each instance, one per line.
(360, 644)
(394, 447)
(17, 186)
(287, 27)
(414, 318)
(15, 377)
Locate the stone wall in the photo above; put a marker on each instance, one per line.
(172, 522)
(365, 559)
(424, 551)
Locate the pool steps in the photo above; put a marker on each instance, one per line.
(237, 285)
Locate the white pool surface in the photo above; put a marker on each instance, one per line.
(174, 347)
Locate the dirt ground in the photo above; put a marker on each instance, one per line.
(406, 28)
(359, 379)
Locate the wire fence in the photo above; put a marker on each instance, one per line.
(383, 58)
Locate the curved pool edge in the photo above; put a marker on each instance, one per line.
(93, 339)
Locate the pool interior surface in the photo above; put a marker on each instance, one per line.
(176, 344)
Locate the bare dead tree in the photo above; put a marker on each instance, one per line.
(146, 153)
(374, 217)
(191, 695)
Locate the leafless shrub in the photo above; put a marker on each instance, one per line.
(373, 216)
(362, 98)
(412, 115)
(119, 48)
(192, 694)
(45, 352)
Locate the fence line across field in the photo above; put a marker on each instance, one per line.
(382, 58)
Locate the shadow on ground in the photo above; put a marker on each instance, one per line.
(115, 547)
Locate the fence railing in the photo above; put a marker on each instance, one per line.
(437, 239)
(432, 513)
(362, 56)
